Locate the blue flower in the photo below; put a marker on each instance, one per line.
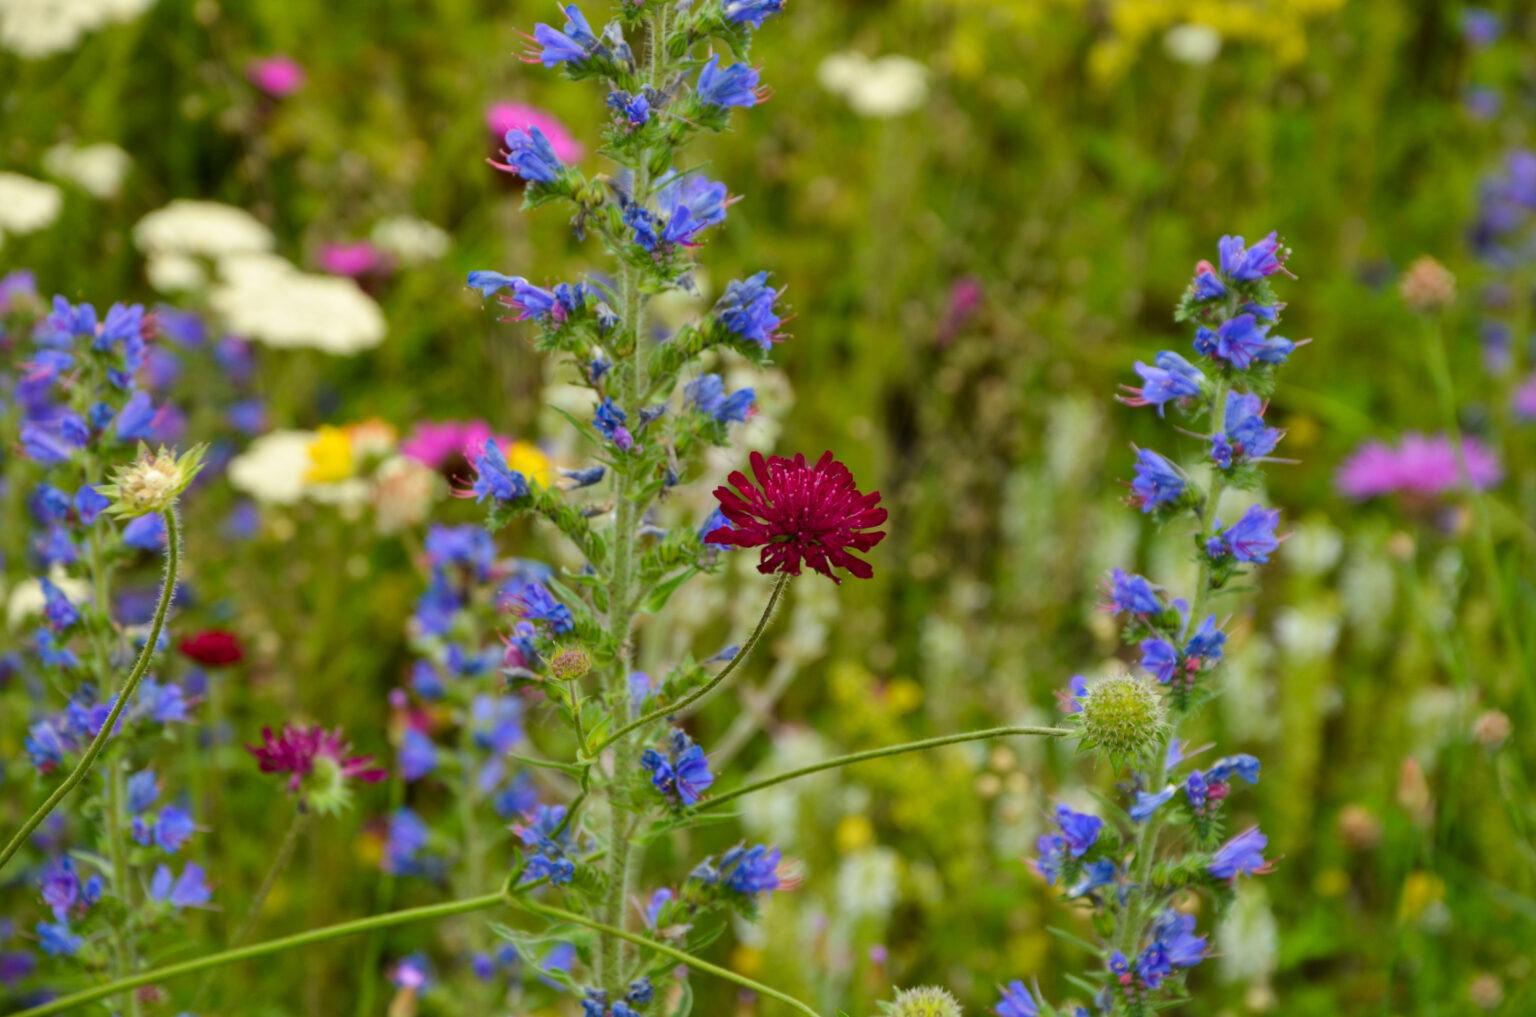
(635, 109)
(1017, 1001)
(746, 309)
(1208, 286)
(1079, 829)
(682, 775)
(60, 886)
(1159, 658)
(751, 12)
(1252, 538)
(1157, 481)
(1170, 378)
(1245, 435)
(136, 419)
(56, 939)
(497, 723)
(189, 890)
(690, 204)
(90, 503)
(173, 829)
(641, 992)
(548, 858)
(1174, 931)
(1197, 790)
(1132, 594)
(1243, 854)
(53, 442)
(146, 533)
(1207, 642)
(573, 44)
(467, 545)
(61, 614)
(1250, 264)
(609, 420)
(405, 838)
(494, 478)
(643, 225)
(418, 755)
(531, 156)
(706, 394)
(48, 504)
(1095, 875)
(735, 85)
(1242, 765)
(744, 870)
(143, 789)
(1147, 803)
(535, 603)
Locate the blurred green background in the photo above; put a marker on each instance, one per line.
(976, 252)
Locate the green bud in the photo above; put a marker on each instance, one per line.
(1123, 717)
(325, 788)
(153, 481)
(570, 664)
(924, 1001)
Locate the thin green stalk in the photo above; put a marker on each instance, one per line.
(124, 960)
(714, 683)
(140, 666)
(693, 962)
(274, 873)
(215, 960)
(889, 750)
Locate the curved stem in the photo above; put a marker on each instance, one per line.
(714, 683)
(279, 864)
(680, 956)
(167, 589)
(271, 946)
(889, 750)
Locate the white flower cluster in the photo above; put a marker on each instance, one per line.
(26, 205)
(267, 299)
(412, 241)
(39, 28)
(179, 237)
(889, 86)
(99, 169)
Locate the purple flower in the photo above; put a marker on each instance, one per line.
(609, 420)
(530, 156)
(90, 503)
(735, 85)
(746, 309)
(189, 890)
(690, 205)
(405, 838)
(1421, 466)
(1017, 1001)
(745, 870)
(1159, 658)
(1148, 802)
(706, 394)
(1251, 264)
(494, 478)
(1245, 435)
(1242, 765)
(56, 940)
(418, 755)
(1132, 594)
(535, 603)
(1243, 854)
(572, 44)
(1079, 829)
(1158, 482)
(682, 775)
(1170, 378)
(60, 886)
(1208, 285)
(1252, 538)
(61, 614)
(751, 12)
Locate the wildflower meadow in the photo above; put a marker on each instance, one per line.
(650, 508)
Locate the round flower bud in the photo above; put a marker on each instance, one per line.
(570, 663)
(1427, 286)
(1122, 717)
(153, 481)
(924, 1001)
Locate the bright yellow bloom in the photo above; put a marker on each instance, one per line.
(528, 459)
(330, 456)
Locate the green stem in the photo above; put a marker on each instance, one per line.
(889, 750)
(117, 853)
(560, 914)
(279, 864)
(167, 588)
(271, 946)
(714, 683)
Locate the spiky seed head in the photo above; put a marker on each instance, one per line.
(153, 481)
(923, 1001)
(1123, 717)
(570, 663)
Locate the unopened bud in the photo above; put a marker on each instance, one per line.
(1123, 717)
(570, 664)
(153, 481)
(1427, 286)
(924, 1001)
(1491, 729)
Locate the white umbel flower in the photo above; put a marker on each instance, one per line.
(205, 228)
(412, 241)
(99, 169)
(886, 87)
(267, 299)
(27, 205)
(40, 28)
(273, 468)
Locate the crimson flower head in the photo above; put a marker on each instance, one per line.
(317, 762)
(213, 648)
(799, 513)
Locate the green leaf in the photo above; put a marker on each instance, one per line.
(662, 592)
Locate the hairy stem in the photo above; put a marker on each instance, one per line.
(140, 666)
(889, 750)
(124, 958)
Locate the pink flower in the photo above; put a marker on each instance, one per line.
(1421, 465)
(502, 117)
(1525, 399)
(352, 260)
(443, 443)
(278, 76)
(295, 751)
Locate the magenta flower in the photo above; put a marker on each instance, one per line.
(800, 513)
(317, 761)
(502, 117)
(352, 260)
(1424, 466)
(444, 443)
(1525, 399)
(278, 76)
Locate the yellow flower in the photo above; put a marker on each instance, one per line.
(528, 459)
(1420, 890)
(853, 832)
(330, 456)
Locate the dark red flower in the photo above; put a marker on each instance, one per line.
(798, 513)
(296, 751)
(213, 648)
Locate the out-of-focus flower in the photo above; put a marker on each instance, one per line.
(403, 493)
(503, 117)
(409, 240)
(1423, 466)
(273, 468)
(175, 273)
(99, 169)
(265, 298)
(27, 205)
(352, 260)
(1524, 400)
(205, 228)
(1427, 286)
(212, 648)
(1192, 44)
(39, 28)
(318, 764)
(278, 76)
(886, 87)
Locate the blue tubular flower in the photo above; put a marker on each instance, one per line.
(1079, 829)
(488, 282)
(1240, 340)
(90, 503)
(548, 857)
(1197, 789)
(146, 533)
(1245, 434)
(1157, 481)
(1251, 264)
(143, 789)
(690, 204)
(643, 225)
(641, 992)
(467, 546)
(1174, 931)
(1170, 378)
(1159, 658)
(735, 85)
(1207, 643)
(494, 478)
(1252, 538)
(750, 12)
(1208, 285)
(746, 309)
(56, 940)
(1017, 1001)
(1242, 765)
(55, 441)
(745, 870)
(635, 109)
(48, 505)
(418, 755)
(405, 838)
(1095, 875)
(189, 890)
(61, 614)
(59, 886)
(1243, 854)
(1148, 803)
(1132, 594)
(682, 775)
(706, 394)
(530, 155)
(536, 604)
(574, 43)
(609, 420)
